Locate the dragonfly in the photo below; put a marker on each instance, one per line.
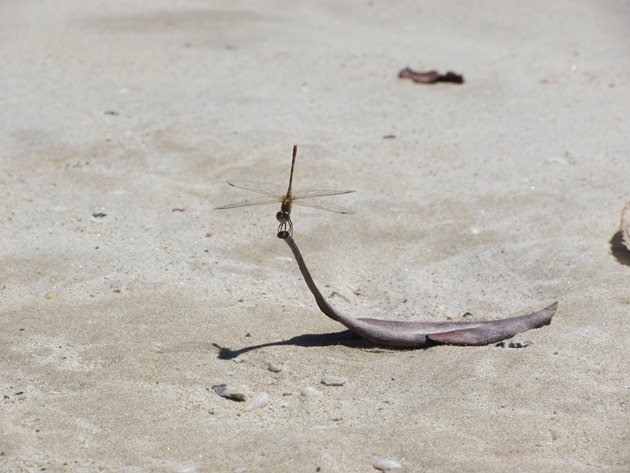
(275, 194)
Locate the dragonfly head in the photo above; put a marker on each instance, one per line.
(283, 217)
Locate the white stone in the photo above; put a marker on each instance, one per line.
(386, 464)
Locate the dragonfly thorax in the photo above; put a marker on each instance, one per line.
(285, 212)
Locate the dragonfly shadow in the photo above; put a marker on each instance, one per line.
(618, 249)
(345, 338)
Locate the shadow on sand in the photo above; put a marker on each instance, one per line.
(345, 338)
(618, 249)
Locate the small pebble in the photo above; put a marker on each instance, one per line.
(98, 217)
(309, 391)
(385, 464)
(260, 400)
(514, 344)
(557, 160)
(235, 393)
(275, 367)
(329, 380)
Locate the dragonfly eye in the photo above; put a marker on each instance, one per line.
(283, 217)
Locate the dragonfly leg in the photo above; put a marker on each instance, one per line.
(286, 226)
(282, 227)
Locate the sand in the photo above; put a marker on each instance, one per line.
(124, 298)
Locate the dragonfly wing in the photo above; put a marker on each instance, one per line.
(250, 202)
(308, 193)
(330, 207)
(266, 188)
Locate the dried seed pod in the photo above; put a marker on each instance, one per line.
(406, 334)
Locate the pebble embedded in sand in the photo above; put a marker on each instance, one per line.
(330, 380)
(309, 391)
(275, 367)
(260, 400)
(234, 393)
(386, 464)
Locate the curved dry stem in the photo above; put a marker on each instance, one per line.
(403, 334)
